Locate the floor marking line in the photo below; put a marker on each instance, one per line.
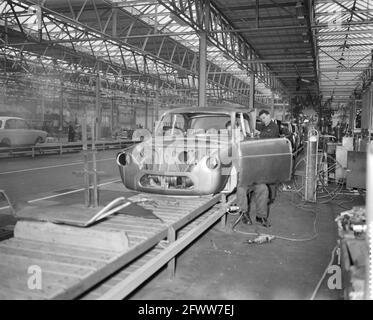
(69, 192)
(51, 167)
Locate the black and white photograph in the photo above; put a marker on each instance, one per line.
(186, 155)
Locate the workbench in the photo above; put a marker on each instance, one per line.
(354, 253)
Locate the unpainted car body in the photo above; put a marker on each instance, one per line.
(17, 132)
(192, 153)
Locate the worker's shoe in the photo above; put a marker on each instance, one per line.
(246, 218)
(263, 222)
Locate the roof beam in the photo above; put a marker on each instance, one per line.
(233, 44)
(106, 37)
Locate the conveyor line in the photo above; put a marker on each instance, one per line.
(69, 272)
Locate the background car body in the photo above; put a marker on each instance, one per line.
(200, 157)
(17, 132)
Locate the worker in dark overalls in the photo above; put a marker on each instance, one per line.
(71, 132)
(256, 198)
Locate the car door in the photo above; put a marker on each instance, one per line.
(264, 160)
(11, 132)
(27, 136)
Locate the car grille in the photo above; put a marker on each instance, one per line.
(166, 182)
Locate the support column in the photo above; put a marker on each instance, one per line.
(146, 111)
(204, 22)
(369, 215)
(272, 105)
(153, 118)
(223, 220)
(112, 115)
(252, 91)
(39, 21)
(134, 116)
(115, 23)
(42, 108)
(202, 69)
(283, 110)
(117, 118)
(61, 110)
(157, 93)
(98, 106)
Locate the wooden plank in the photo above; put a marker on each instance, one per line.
(16, 273)
(112, 267)
(172, 214)
(135, 279)
(43, 256)
(126, 228)
(168, 217)
(86, 237)
(155, 224)
(19, 282)
(130, 220)
(5, 234)
(70, 251)
(117, 261)
(50, 266)
(13, 294)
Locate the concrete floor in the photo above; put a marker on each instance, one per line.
(220, 265)
(25, 178)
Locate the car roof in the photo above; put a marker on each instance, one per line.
(215, 109)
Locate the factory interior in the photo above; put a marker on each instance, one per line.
(186, 150)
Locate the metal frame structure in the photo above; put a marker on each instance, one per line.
(344, 41)
(84, 40)
(314, 49)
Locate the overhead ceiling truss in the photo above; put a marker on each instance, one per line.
(229, 41)
(92, 38)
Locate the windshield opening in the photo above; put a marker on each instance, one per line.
(175, 124)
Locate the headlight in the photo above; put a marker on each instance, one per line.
(123, 159)
(212, 162)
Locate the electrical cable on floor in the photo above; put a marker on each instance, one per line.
(315, 235)
(324, 274)
(303, 206)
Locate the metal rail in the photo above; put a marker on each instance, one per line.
(60, 148)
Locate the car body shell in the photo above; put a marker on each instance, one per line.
(217, 160)
(16, 132)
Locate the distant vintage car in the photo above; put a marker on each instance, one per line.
(193, 152)
(17, 132)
